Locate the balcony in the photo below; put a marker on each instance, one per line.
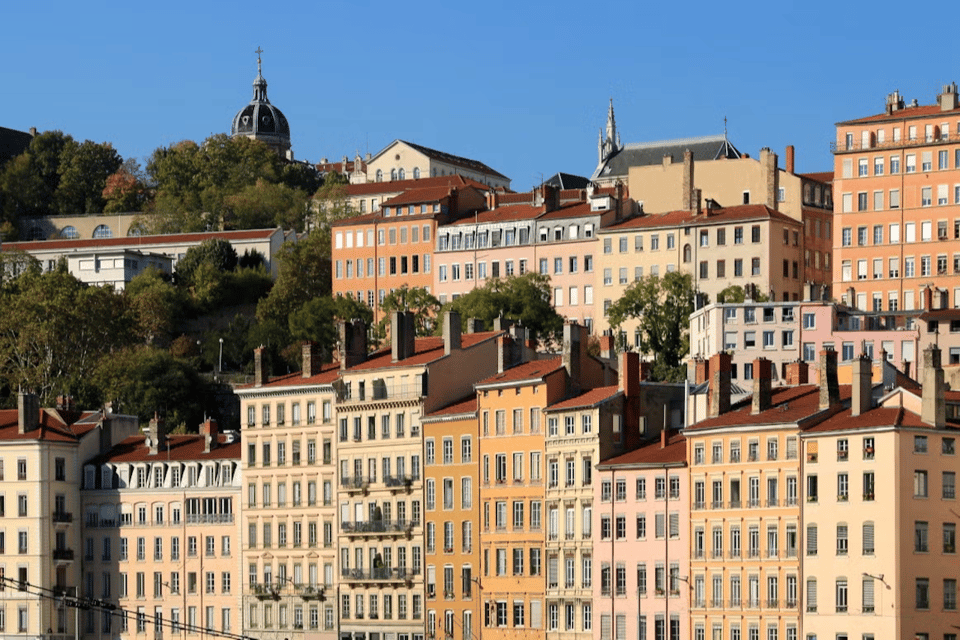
(379, 391)
(352, 484)
(382, 575)
(63, 555)
(208, 518)
(266, 591)
(376, 527)
(398, 483)
(62, 517)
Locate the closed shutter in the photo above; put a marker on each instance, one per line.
(605, 627)
(811, 539)
(868, 547)
(811, 595)
(621, 627)
(674, 525)
(536, 614)
(868, 595)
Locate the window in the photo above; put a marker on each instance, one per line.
(841, 594)
(923, 593)
(920, 489)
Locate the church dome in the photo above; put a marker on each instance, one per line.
(261, 120)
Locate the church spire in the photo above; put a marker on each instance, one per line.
(609, 140)
(259, 83)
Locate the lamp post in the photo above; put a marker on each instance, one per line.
(220, 364)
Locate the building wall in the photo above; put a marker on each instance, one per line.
(455, 606)
(647, 558)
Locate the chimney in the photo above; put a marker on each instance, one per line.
(762, 397)
(646, 371)
(686, 196)
(771, 177)
(894, 102)
(451, 332)
(398, 335)
(798, 372)
(630, 374)
(698, 201)
(310, 355)
(948, 97)
(352, 336)
(261, 369)
(493, 199)
(156, 435)
(619, 200)
(574, 346)
(927, 298)
(861, 385)
(28, 412)
(551, 198)
(933, 408)
(701, 370)
(474, 325)
(664, 437)
(829, 388)
(502, 324)
(606, 346)
(33, 132)
(209, 431)
(790, 158)
(718, 393)
(504, 352)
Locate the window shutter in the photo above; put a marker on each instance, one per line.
(536, 614)
(605, 627)
(811, 539)
(868, 547)
(674, 525)
(811, 595)
(868, 595)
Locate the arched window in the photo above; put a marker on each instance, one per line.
(379, 175)
(416, 173)
(686, 253)
(102, 231)
(393, 174)
(401, 174)
(137, 229)
(69, 232)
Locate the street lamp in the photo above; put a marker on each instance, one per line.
(220, 366)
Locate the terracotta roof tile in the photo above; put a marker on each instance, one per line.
(503, 213)
(182, 447)
(419, 195)
(328, 373)
(652, 454)
(788, 405)
(901, 114)
(426, 351)
(53, 426)
(743, 212)
(818, 176)
(586, 399)
(467, 404)
(525, 371)
(399, 186)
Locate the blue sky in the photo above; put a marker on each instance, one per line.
(520, 86)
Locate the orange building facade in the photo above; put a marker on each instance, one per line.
(897, 204)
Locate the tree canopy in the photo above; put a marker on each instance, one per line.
(424, 306)
(663, 307)
(524, 299)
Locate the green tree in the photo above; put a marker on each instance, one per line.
(303, 274)
(524, 299)
(300, 175)
(29, 181)
(663, 307)
(84, 169)
(217, 253)
(265, 204)
(142, 380)
(156, 306)
(53, 331)
(317, 319)
(424, 306)
(735, 294)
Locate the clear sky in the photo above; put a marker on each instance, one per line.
(521, 86)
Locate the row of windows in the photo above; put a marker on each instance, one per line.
(278, 411)
(156, 551)
(267, 450)
(449, 542)
(771, 453)
(295, 497)
(156, 619)
(521, 514)
(349, 239)
(878, 165)
(388, 426)
(736, 548)
(619, 523)
(302, 575)
(374, 612)
(501, 474)
(772, 597)
(869, 139)
(211, 510)
(508, 237)
(447, 493)
(620, 494)
(288, 534)
(393, 265)
(499, 615)
(875, 235)
(283, 620)
(720, 239)
(162, 584)
(394, 471)
(941, 263)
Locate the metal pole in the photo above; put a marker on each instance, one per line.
(220, 365)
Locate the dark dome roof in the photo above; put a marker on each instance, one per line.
(262, 120)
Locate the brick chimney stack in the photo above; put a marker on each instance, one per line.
(718, 393)
(210, 431)
(687, 184)
(791, 152)
(862, 385)
(451, 332)
(28, 412)
(310, 355)
(798, 372)
(762, 395)
(261, 366)
(933, 407)
(829, 387)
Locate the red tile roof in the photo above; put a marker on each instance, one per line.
(572, 210)
(738, 213)
(54, 425)
(906, 113)
(419, 195)
(466, 404)
(651, 454)
(328, 373)
(503, 213)
(527, 371)
(173, 238)
(789, 405)
(426, 351)
(586, 399)
(399, 186)
(819, 176)
(181, 448)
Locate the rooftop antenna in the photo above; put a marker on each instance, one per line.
(724, 128)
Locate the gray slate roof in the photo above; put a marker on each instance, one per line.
(641, 154)
(567, 181)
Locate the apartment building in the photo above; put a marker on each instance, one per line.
(161, 535)
(451, 465)
(289, 550)
(644, 572)
(401, 160)
(381, 398)
(592, 425)
(880, 512)
(745, 482)
(376, 253)
(897, 222)
(42, 451)
(743, 244)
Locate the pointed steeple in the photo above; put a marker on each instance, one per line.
(609, 139)
(611, 126)
(259, 83)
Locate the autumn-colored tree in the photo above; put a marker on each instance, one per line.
(125, 190)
